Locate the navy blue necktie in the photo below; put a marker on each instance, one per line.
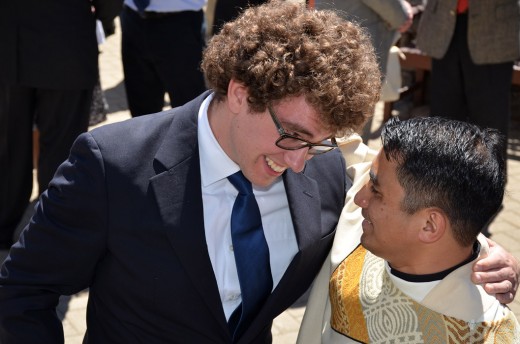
(141, 4)
(251, 255)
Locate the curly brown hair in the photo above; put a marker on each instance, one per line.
(283, 49)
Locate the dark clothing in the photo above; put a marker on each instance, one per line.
(48, 68)
(463, 90)
(227, 10)
(51, 44)
(51, 111)
(161, 55)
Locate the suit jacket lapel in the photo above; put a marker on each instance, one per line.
(177, 188)
(304, 205)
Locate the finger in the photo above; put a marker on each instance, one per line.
(504, 287)
(487, 263)
(494, 276)
(505, 298)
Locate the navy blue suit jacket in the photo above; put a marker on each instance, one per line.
(123, 216)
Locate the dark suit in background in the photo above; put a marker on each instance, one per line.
(144, 256)
(48, 68)
(226, 10)
(473, 54)
(161, 48)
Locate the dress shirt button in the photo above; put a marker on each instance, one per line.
(231, 248)
(232, 296)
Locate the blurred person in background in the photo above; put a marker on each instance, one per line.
(226, 10)
(161, 48)
(473, 45)
(48, 69)
(384, 21)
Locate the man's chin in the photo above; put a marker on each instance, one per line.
(365, 241)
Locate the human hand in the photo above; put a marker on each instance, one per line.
(498, 273)
(406, 25)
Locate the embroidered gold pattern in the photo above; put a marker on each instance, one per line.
(375, 311)
(347, 316)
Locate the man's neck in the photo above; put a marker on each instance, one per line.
(470, 253)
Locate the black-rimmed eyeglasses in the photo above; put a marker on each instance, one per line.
(290, 142)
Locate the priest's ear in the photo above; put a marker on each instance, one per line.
(435, 225)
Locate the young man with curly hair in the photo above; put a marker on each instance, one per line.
(150, 213)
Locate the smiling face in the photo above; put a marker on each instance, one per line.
(249, 138)
(252, 140)
(388, 231)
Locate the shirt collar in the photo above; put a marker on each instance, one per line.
(215, 164)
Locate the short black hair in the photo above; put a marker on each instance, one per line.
(453, 165)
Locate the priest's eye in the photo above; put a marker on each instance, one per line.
(373, 189)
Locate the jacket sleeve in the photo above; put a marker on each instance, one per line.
(58, 250)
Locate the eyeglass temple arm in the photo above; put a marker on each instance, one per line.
(275, 120)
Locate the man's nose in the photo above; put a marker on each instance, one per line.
(361, 199)
(295, 159)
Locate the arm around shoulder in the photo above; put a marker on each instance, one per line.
(498, 272)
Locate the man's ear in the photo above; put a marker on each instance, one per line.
(435, 223)
(237, 96)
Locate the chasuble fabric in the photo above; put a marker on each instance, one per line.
(369, 308)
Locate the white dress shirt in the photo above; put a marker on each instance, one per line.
(170, 5)
(218, 196)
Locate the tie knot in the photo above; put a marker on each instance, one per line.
(240, 182)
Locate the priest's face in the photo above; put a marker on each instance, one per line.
(388, 231)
